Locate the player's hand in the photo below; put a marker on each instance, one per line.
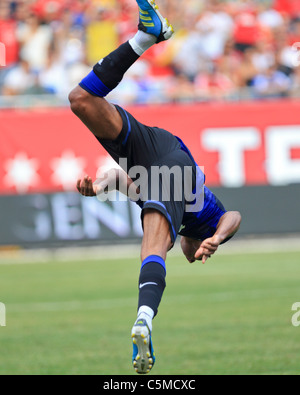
(208, 248)
(108, 182)
(189, 248)
(85, 186)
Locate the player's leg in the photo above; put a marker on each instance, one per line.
(156, 243)
(99, 116)
(157, 239)
(162, 219)
(87, 100)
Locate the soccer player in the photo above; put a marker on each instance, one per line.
(202, 230)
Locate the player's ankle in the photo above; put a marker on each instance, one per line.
(147, 314)
(141, 42)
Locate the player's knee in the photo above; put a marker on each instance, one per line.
(78, 99)
(157, 237)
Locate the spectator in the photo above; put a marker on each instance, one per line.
(54, 78)
(271, 84)
(263, 56)
(222, 48)
(288, 7)
(8, 36)
(213, 86)
(35, 40)
(270, 18)
(215, 27)
(101, 36)
(19, 80)
(247, 30)
(247, 70)
(189, 60)
(229, 65)
(181, 89)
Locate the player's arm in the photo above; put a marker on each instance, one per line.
(114, 179)
(227, 227)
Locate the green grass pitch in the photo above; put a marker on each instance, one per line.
(231, 316)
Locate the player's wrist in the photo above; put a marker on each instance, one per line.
(219, 238)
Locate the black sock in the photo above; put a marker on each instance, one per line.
(108, 73)
(152, 282)
(113, 67)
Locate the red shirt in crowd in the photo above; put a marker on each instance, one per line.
(247, 29)
(290, 7)
(9, 39)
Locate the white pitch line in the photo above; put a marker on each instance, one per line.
(107, 304)
(110, 252)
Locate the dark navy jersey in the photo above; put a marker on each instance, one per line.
(203, 224)
(150, 147)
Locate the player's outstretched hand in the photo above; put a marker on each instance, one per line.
(85, 186)
(108, 182)
(208, 248)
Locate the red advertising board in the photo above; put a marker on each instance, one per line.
(238, 144)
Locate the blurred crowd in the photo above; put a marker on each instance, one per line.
(222, 50)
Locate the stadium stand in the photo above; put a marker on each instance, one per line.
(222, 50)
